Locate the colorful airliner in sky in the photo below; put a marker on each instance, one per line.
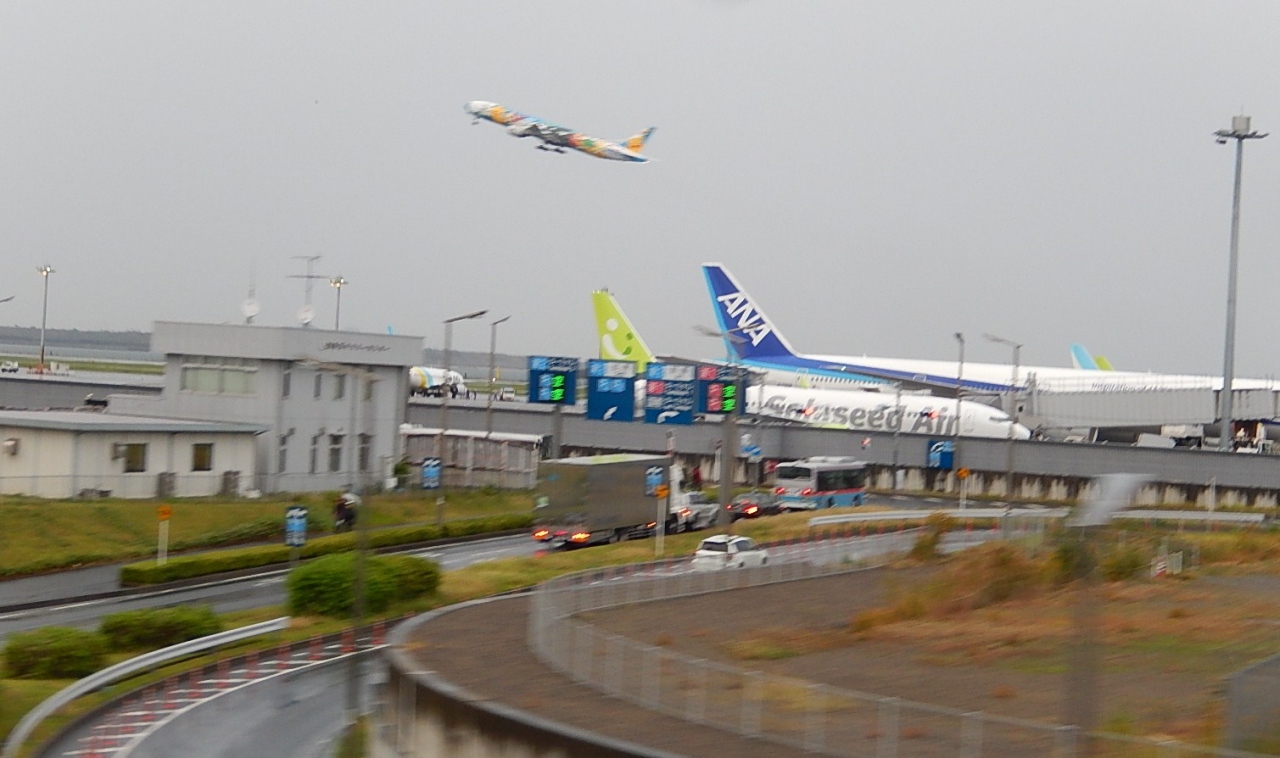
(555, 138)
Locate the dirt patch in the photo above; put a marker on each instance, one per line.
(1167, 644)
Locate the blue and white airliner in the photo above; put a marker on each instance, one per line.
(757, 343)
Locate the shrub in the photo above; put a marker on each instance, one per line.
(54, 652)
(926, 545)
(1071, 560)
(325, 586)
(154, 628)
(1123, 562)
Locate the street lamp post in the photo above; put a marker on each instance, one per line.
(1013, 405)
(444, 404)
(1239, 131)
(955, 442)
(337, 282)
(493, 355)
(44, 270)
(729, 443)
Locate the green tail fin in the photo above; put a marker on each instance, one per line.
(619, 340)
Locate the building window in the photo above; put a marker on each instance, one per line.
(315, 453)
(368, 389)
(339, 386)
(286, 382)
(366, 443)
(319, 385)
(282, 454)
(135, 458)
(335, 452)
(217, 376)
(202, 456)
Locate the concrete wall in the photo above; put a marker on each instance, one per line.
(424, 716)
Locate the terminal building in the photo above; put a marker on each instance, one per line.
(331, 403)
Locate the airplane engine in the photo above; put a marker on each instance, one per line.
(519, 129)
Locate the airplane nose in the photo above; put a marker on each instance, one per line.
(476, 107)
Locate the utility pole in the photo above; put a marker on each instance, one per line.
(1239, 131)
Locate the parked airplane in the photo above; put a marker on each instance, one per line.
(428, 380)
(1082, 358)
(555, 138)
(856, 410)
(760, 345)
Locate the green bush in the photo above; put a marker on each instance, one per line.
(54, 652)
(935, 527)
(325, 586)
(154, 628)
(1123, 562)
(189, 566)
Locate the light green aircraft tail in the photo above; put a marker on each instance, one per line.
(619, 340)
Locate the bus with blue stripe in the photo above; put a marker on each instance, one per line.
(821, 482)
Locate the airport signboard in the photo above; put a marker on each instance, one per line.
(553, 380)
(941, 454)
(718, 392)
(611, 390)
(670, 390)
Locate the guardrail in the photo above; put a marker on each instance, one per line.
(143, 662)
(921, 515)
(1201, 517)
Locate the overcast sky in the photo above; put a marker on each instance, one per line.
(878, 175)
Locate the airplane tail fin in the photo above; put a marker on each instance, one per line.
(752, 333)
(1081, 359)
(619, 340)
(636, 143)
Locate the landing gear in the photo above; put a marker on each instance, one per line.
(551, 149)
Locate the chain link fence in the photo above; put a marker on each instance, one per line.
(815, 717)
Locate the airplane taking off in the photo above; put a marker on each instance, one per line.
(855, 410)
(762, 346)
(555, 138)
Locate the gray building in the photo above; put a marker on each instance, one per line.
(333, 401)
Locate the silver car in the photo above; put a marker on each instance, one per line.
(728, 551)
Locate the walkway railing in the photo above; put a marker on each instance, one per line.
(810, 716)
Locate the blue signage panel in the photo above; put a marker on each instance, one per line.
(430, 473)
(717, 390)
(295, 526)
(611, 390)
(942, 454)
(669, 393)
(652, 480)
(553, 380)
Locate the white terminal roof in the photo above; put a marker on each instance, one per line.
(97, 421)
(409, 430)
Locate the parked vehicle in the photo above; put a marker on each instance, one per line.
(725, 551)
(9, 367)
(754, 505)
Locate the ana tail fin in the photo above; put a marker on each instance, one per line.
(751, 332)
(619, 340)
(636, 143)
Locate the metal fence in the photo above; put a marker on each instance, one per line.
(814, 717)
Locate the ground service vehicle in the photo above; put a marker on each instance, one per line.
(821, 482)
(599, 498)
(728, 551)
(754, 505)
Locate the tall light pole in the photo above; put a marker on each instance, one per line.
(444, 404)
(1240, 131)
(1013, 404)
(44, 270)
(729, 444)
(955, 442)
(337, 282)
(493, 356)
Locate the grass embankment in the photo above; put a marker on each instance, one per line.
(40, 536)
(115, 367)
